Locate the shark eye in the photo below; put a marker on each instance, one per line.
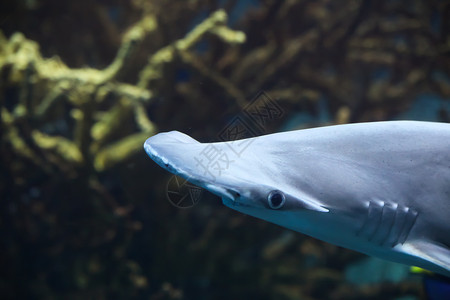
(276, 199)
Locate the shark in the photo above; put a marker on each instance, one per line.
(380, 188)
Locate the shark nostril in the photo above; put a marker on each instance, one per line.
(234, 194)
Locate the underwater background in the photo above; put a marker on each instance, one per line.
(85, 214)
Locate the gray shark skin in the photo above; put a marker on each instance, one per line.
(380, 188)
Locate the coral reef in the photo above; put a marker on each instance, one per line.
(84, 83)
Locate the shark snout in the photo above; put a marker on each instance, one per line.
(194, 161)
(186, 157)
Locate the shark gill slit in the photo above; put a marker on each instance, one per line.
(411, 218)
(405, 216)
(398, 225)
(372, 220)
(378, 223)
(393, 209)
(366, 219)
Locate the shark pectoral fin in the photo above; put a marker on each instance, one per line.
(437, 254)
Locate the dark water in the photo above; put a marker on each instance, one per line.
(85, 214)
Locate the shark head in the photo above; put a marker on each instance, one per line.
(248, 179)
(379, 188)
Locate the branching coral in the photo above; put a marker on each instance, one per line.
(62, 128)
(48, 83)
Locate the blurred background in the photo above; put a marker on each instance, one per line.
(85, 214)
